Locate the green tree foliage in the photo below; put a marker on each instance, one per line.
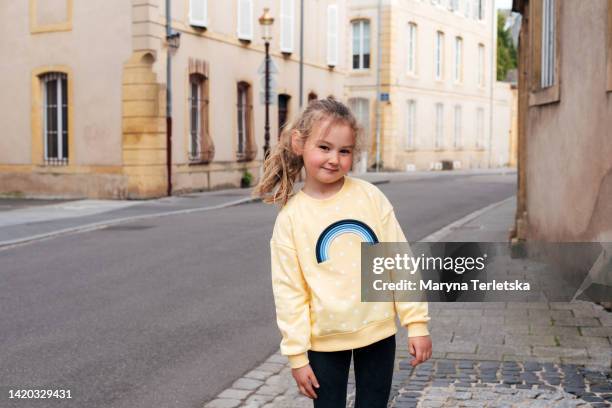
(506, 53)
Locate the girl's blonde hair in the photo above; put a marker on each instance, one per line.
(282, 166)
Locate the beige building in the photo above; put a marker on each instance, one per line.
(83, 107)
(565, 121)
(441, 105)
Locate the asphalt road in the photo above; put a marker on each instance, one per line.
(169, 311)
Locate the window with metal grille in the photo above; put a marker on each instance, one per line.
(412, 48)
(439, 55)
(55, 118)
(361, 44)
(196, 82)
(242, 110)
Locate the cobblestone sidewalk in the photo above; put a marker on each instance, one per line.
(485, 354)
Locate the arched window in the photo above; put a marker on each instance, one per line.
(55, 117)
(246, 148)
(200, 145)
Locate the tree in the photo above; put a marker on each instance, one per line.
(506, 53)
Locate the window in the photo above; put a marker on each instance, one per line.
(412, 48)
(547, 78)
(195, 115)
(55, 118)
(466, 8)
(438, 138)
(457, 132)
(458, 59)
(201, 147)
(361, 44)
(439, 55)
(411, 124)
(481, 65)
(361, 110)
(283, 111)
(246, 147)
(544, 29)
(453, 5)
(245, 20)
(332, 35)
(481, 9)
(480, 128)
(198, 13)
(286, 23)
(609, 46)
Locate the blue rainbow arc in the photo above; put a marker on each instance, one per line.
(342, 227)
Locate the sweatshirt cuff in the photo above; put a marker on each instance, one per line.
(298, 360)
(417, 329)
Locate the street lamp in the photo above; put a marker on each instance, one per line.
(266, 22)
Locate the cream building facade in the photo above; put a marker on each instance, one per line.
(442, 107)
(84, 101)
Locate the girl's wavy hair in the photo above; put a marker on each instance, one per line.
(283, 165)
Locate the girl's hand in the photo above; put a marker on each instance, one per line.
(420, 348)
(306, 381)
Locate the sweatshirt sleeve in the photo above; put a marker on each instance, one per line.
(291, 298)
(412, 315)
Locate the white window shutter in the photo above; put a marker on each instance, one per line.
(245, 19)
(198, 13)
(332, 35)
(287, 18)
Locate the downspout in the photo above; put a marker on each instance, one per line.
(168, 99)
(301, 54)
(493, 79)
(378, 62)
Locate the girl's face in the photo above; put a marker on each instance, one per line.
(328, 152)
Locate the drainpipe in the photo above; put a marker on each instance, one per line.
(493, 79)
(168, 99)
(301, 53)
(378, 62)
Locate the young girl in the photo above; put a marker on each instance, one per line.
(315, 250)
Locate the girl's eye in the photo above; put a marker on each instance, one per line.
(324, 147)
(345, 151)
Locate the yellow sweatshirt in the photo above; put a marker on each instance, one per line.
(316, 272)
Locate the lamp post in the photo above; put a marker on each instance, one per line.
(266, 22)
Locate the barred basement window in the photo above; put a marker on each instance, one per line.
(55, 118)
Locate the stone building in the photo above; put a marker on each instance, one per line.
(83, 106)
(441, 105)
(565, 121)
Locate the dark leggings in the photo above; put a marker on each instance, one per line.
(373, 366)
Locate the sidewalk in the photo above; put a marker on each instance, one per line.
(485, 354)
(23, 220)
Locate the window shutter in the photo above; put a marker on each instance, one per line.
(332, 35)
(245, 20)
(287, 13)
(198, 13)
